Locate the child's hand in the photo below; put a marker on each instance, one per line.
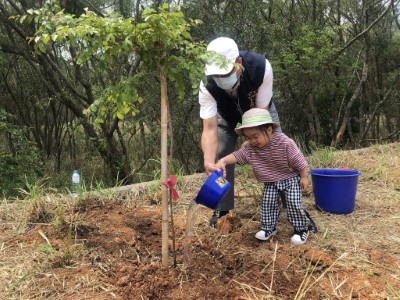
(220, 165)
(305, 186)
(209, 168)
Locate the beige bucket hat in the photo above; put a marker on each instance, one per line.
(253, 118)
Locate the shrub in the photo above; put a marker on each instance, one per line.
(19, 158)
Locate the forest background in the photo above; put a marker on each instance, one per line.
(336, 70)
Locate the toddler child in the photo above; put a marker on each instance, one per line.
(279, 164)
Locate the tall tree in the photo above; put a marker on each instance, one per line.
(367, 28)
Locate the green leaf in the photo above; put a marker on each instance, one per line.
(120, 115)
(46, 38)
(126, 110)
(42, 48)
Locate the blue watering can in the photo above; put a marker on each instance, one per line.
(212, 190)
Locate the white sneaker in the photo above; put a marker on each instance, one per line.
(265, 235)
(299, 237)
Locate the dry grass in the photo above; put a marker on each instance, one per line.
(26, 269)
(359, 241)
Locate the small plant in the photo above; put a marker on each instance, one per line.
(94, 186)
(57, 257)
(35, 190)
(91, 194)
(68, 253)
(20, 280)
(45, 248)
(321, 157)
(59, 219)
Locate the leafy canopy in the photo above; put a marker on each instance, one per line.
(161, 42)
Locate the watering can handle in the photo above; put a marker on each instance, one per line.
(220, 173)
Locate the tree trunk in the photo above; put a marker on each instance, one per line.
(337, 95)
(164, 165)
(354, 97)
(315, 122)
(309, 117)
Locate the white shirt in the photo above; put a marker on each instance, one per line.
(208, 105)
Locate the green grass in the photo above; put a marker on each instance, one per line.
(321, 157)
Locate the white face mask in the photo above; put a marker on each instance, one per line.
(226, 83)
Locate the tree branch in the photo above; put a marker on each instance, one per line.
(337, 54)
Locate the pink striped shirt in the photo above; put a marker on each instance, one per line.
(280, 159)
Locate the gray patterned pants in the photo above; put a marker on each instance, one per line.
(270, 204)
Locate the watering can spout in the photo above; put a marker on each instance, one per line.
(213, 190)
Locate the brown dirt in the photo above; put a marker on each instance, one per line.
(114, 252)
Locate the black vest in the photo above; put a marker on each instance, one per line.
(250, 80)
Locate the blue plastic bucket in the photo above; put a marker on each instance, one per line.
(212, 190)
(335, 189)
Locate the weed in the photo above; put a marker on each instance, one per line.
(396, 294)
(59, 219)
(34, 190)
(85, 189)
(321, 157)
(38, 212)
(68, 254)
(57, 257)
(20, 280)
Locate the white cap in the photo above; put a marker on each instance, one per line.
(226, 47)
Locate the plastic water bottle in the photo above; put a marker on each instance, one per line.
(75, 183)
